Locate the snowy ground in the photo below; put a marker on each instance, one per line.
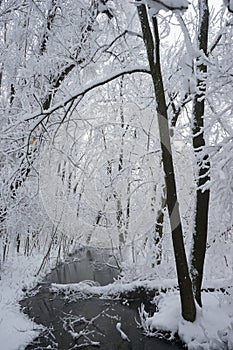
(212, 330)
(17, 276)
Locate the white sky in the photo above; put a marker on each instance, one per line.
(214, 5)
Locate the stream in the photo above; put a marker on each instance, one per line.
(87, 322)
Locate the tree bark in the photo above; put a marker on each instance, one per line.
(153, 53)
(202, 159)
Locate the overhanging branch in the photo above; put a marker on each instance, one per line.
(81, 92)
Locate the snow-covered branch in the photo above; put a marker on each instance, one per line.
(81, 92)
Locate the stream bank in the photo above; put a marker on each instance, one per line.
(88, 322)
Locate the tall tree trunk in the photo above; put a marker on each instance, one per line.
(153, 52)
(121, 223)
(202, 159)
(159, 229)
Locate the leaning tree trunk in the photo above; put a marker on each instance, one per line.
(153, 54)
(202, 159)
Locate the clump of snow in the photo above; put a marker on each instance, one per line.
(166, 5)
(212, 329)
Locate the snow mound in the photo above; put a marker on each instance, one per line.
(212, 329)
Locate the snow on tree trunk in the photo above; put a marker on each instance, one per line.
(153, 53)
(202, 159)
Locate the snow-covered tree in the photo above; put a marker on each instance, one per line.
(89, 138)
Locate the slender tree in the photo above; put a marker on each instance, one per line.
(202, 158)
(152, 44)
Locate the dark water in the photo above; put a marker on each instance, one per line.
(96, 318)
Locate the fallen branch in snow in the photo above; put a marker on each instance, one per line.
(133, 290)
(123, 335)
(130, 291)
(79, 329)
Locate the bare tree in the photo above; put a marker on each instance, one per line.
(202, 158)
(153, 54)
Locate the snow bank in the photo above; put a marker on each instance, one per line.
(212, 330)
(17, 275)
(16, 329)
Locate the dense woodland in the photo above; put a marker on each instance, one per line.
(116, 132)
